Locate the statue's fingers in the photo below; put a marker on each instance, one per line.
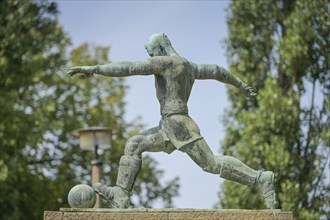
(73, 71)
(253, 94)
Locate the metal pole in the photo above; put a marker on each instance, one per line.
(96, 176)
(96, 170)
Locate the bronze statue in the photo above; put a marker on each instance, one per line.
(174, 79)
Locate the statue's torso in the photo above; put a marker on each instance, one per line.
(173, 87)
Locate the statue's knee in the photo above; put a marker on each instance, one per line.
(133, 147)
(213, 165)
(209, 167)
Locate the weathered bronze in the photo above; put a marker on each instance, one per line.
(174, 79)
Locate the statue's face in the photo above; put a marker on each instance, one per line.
(153, 45)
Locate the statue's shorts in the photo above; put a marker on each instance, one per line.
(178, 131)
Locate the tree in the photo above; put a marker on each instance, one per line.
(283, 51)
(32, 44)
(39, 159)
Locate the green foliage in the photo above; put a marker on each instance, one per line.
(40, 105)
(283, 51)
(32, 44)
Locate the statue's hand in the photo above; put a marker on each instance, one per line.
(85, 71)
(249, 92)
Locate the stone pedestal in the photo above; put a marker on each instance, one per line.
(167, 214)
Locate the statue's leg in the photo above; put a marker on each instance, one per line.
(129, 167)
(233, 169)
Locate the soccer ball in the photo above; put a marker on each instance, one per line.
(82, 196)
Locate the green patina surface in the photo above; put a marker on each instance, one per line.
(174, 78)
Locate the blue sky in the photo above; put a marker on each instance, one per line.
(197, 30)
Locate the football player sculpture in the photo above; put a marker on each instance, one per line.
(174, 79)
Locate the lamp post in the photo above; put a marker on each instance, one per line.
(93, 139)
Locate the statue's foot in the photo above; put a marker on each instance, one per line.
(116, 196)
(266, 188)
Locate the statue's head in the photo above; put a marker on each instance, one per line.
(159, 45)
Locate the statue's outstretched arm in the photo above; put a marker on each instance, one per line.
(208, 71)
(153, 65)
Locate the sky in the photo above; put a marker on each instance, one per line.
(197, 30)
